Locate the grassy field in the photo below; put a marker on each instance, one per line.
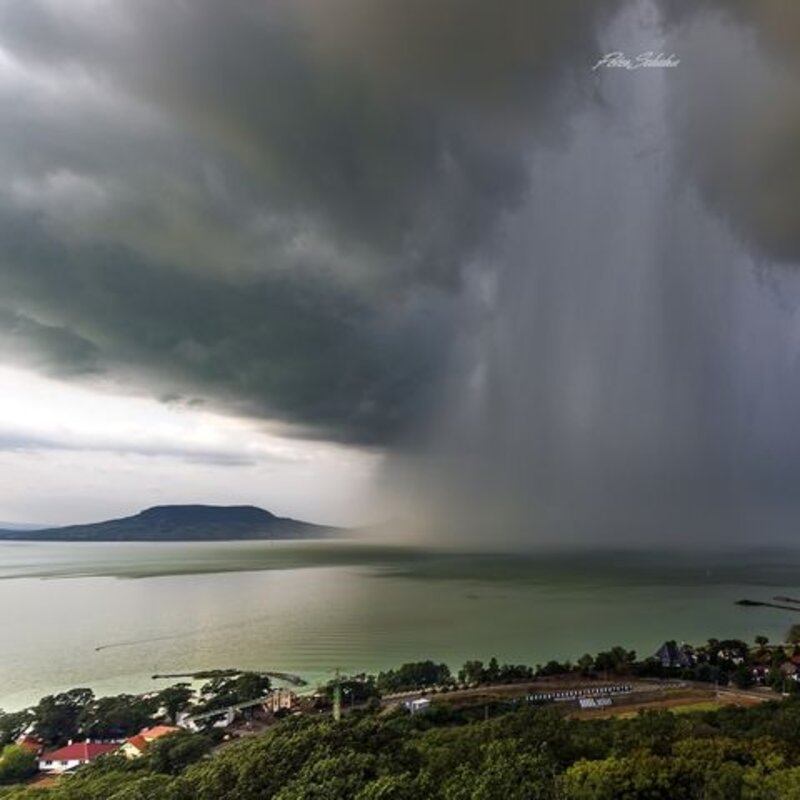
(685, 708)
(709, 705)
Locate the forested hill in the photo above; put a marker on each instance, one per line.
(184, 523)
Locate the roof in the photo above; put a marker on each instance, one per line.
(138, 741)
(147, 735)
(80, 751)
(156, 732)
(671, 655)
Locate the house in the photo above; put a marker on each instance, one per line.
(760, 673)
(279, 700)
(75, 754)
(136, 745)
(671, 656)
(30, 743)
(219, 718)
(417, 704)
(729, 654)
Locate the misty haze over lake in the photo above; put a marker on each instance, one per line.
(309, 608)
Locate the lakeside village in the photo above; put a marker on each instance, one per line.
(179, 725)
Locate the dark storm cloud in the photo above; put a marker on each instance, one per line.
(268, 205)
(54, 349)
(636, 382)
(273, 344)
(737, 111)
(394, 123)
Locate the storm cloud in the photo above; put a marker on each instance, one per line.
(635, 377)
(737, 116)
(426, 227)
(267, 205)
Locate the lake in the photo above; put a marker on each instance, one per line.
(109, 616)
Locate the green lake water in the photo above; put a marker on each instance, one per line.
(109, 616)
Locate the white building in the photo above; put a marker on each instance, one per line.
(417, 704)
(75, 754)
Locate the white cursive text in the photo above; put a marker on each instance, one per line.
(618, 60)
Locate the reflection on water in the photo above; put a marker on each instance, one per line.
(73, 616)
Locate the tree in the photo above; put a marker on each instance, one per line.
(358, 689)
(346, 773)
(116, 717)
(762, 641)
(781, 785)
(553, 668)
(776, 679)
(585, 663)
(511, 772)
(175, 699)
(16, 764)
(225, 690)
(56, 717)
(171, 754)
(735, 646)
(617, 659)
(390, 787)
(742, 677)
(415, 675)
(629, 778)
(13, 724)
(779, 657)
(509, 673)
(654, 730)
(471, 672)
(150, 787)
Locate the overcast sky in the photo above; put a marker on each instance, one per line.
(232, 237)
(247, 248)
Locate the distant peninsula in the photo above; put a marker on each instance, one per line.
(182, 523)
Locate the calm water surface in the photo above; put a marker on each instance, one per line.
(109, 616)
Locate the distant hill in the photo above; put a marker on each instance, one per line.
(194, 523)
(18, 526)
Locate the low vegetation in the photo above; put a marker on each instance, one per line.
(454, 754)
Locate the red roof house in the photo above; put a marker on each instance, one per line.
(156, 732)
(74, 755)
(136, 745)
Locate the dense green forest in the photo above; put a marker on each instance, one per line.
(457, 754)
